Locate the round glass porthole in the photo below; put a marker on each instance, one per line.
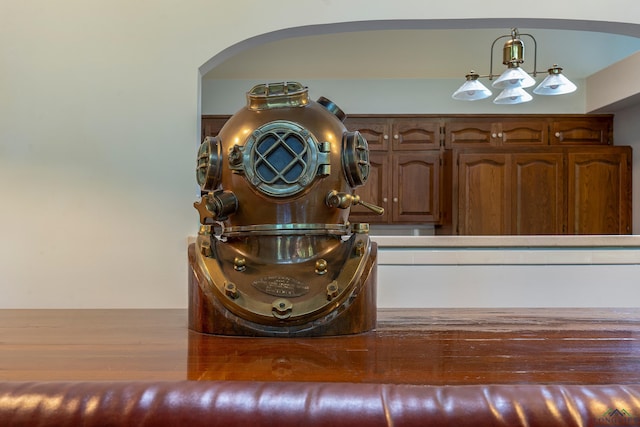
(355, 158)
(209, 165)
(283, 158)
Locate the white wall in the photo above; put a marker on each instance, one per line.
(99, 108)
(391, 96)
(627, 132)
(615, 85)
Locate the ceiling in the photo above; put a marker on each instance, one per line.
(419, 54)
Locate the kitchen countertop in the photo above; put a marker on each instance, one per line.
(626, 241)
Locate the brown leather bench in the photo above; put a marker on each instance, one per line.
(238, 403)
(423, 367)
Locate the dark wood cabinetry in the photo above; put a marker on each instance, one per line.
(572, 190)
(599, 191)
(495, 131)
(211, 125)
(416, 171)
(537, 193)
(376, 191)
(398, 133)
(468, 133)
(492, 174)
(527, 130)
(406, 173)
(592, 130)
(483, 194)
(407, 185)
(425, 132)
(510, 193)
(376, 131)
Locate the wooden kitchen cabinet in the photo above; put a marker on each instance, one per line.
(409, 133)
(599, 191)
(519, 132)
(527, 130)
(537, 193)
(398, 132)
(416, 187)
(418, 132)
(468, 133)
(484, 201)
(589, 130)
(211, 125)
(406, 184)
(375, 130)
(571, 190)
(376, 191)
(406, 162)
(502, 174)
(510, 193)
(495, 131)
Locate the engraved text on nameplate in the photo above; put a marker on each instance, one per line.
(281, 286)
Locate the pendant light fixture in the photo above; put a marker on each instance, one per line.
(472, 89)
(514, 79)
(555, 83)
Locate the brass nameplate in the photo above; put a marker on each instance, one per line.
(281, 286)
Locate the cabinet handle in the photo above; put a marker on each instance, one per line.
(395, 200)
(500, 134)
(385, 137)
(384, 199)
(395, 136)
(558, 134)
(493, 135)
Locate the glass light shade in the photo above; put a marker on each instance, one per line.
(471, 90)
(513, 95)
(512, 78)
(555, 84)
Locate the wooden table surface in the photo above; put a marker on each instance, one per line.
(416, 346)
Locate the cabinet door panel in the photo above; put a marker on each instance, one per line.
(415, 134)
(374, 129)
(483, 194)
(537, 193)
(468, 134)
(375, 191)
(417, 186)
(587, 131)
(211, 125)
(524, 132)
(598, 193)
